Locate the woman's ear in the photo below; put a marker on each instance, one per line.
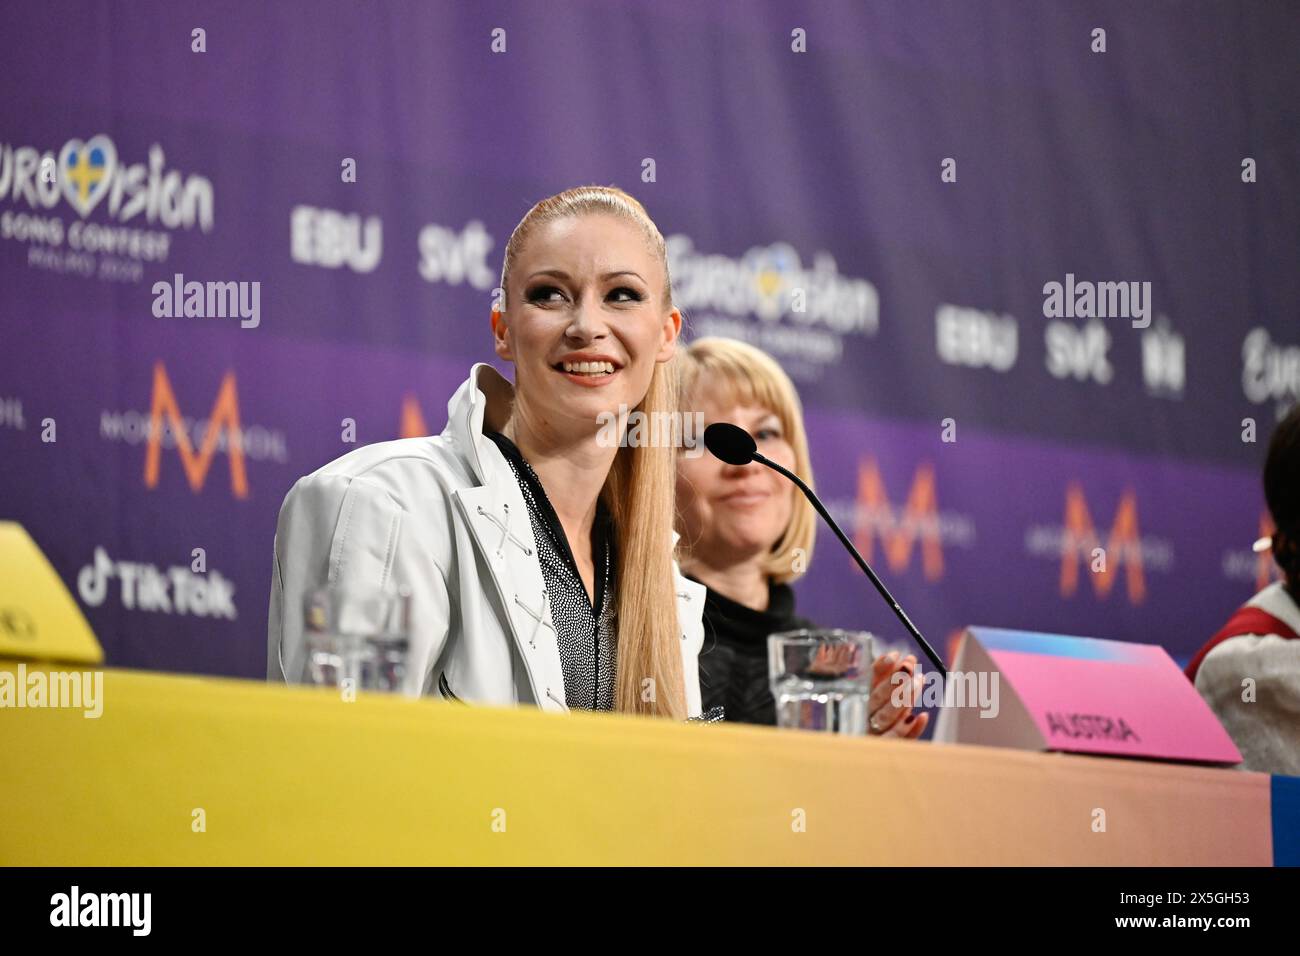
(500, 335)
(672, 328)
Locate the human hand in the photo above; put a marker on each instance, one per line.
(888, 675)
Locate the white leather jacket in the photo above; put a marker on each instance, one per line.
(443, 517)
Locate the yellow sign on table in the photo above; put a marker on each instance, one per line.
(189, 770)
(38, 617)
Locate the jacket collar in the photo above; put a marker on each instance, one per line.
(486, 397)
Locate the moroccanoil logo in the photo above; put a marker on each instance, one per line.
(1081, 550)
(917, 524)
(1122, 546)
(225, 413)
(197, 442)
(1243, 564)
(412, 424)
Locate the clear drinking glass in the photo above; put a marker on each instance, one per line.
(821, 679)
(358, 635)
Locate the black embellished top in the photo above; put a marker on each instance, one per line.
(585, 630)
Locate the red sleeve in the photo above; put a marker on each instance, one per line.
(1246, 620)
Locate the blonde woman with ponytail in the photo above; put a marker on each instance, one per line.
(539, 553)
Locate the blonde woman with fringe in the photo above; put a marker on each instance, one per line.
(539, 553)
(747, 534)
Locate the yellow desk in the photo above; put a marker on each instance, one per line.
(299, 776)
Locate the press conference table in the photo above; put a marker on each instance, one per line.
(207, 771)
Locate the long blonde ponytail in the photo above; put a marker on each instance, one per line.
(639, 494)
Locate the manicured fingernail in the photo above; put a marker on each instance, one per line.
(891, 656)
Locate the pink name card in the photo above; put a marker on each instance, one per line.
(1077, 694)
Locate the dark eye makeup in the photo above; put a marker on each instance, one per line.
(543, 293)
(540, 293)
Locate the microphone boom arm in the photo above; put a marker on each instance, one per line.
(866, 568)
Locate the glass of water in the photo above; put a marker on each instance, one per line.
(821, 679)
(358, 636)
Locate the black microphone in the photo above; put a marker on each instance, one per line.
(735, 446)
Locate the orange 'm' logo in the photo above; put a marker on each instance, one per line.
(920, 519)
(1122, 547)
(225, 413)
(413, 425)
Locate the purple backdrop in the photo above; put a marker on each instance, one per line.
(127, 157)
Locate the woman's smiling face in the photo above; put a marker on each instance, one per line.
(585, 322)
(730, 511)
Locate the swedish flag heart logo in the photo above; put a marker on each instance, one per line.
(86, 170)
(772, 268)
